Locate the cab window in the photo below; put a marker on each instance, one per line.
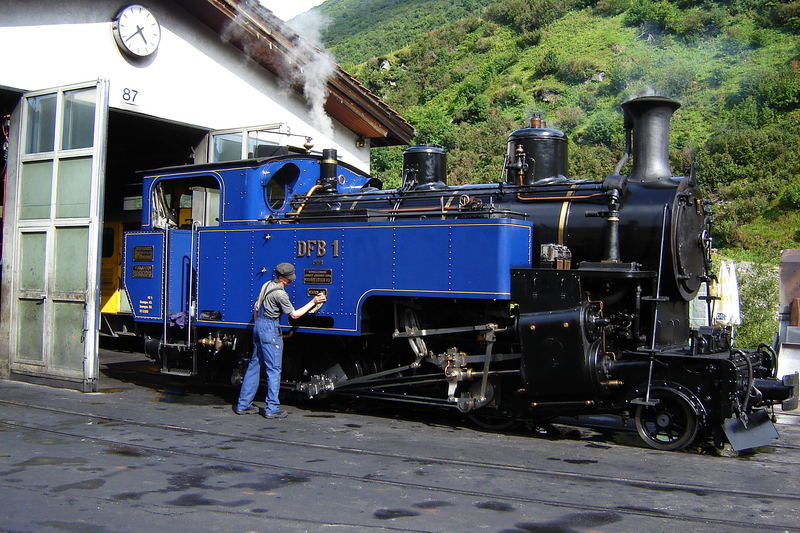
(276, 190)
(179, 202)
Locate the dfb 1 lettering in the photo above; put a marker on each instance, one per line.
(316, 247)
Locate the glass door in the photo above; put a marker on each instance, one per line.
(57, 234)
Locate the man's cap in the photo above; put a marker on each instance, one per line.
(286, 270)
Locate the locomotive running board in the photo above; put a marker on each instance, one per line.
(754, 431)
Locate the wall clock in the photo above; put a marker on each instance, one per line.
(136, 31)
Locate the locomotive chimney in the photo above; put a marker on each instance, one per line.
(327, 170)
(649, 117)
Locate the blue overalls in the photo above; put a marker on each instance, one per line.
(267, 350)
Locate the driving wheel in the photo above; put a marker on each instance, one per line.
(671, 424)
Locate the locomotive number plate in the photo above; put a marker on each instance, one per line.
(143, 253)
(317, 276)
(142, 271)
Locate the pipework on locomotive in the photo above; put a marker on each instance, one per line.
(537, 296)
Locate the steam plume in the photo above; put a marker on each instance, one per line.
(311, 66)
(305, 63)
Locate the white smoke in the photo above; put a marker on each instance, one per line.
(309, 65)
(234, 30)
(305, 63)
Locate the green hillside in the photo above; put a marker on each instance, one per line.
(362, 29)
(734, 65)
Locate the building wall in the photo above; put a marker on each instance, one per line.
(195, 77)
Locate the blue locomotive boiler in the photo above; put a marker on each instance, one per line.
(537, 296)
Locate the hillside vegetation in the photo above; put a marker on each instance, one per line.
(362, 29)
(470, 80)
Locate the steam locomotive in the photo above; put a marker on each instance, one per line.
(529, 298)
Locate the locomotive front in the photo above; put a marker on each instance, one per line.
(604, 316)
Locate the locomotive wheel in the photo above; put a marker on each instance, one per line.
(490, 421)
(671, 424)
(488, 417)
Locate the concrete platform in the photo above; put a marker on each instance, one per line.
(154, 453)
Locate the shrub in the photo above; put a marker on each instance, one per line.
(760, 38)
(698, 21)
(781, 89)
(786, 15)
(461, 165)
(652, 15)
(568, 118)
(664, 16)
(588, 100)
(612, 7)
(482, 45)
(778, 89)
(691, 23)
(589, 161)
(677, 79)
(791, 196)
(387, 164)
(575, 70)
(604, 128)
(431, 124)
(758, 295)
(747, 113)
(470, 89)
(549, 64)
(527, 15)
(745, 170)
(617, 76)
(738, 35)
(508, 97)
(474, 112)
(529, 39)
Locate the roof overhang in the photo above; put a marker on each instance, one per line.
(272, 44)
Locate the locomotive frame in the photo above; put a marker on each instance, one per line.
(534, 297)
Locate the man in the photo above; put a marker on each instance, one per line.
(267, 341)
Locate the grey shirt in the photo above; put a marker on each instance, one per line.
(273, 300)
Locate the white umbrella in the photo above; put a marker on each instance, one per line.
(727, 311)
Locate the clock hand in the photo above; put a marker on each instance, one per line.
(139, 31)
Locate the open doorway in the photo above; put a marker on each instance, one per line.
(135, 143)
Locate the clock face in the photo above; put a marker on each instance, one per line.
(136, 31)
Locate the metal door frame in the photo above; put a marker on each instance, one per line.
(43, 371)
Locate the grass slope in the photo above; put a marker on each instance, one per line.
(361, 29)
